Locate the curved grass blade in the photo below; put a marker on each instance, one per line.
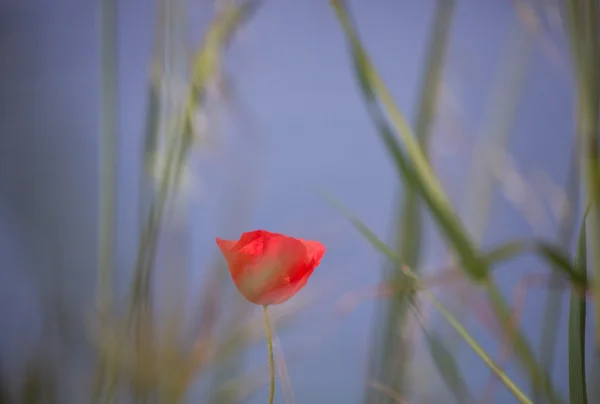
(583, 20)
(577, 315)
(108, 154)
(539, 377)
(443, 359)
(502, 376)
(448, 368)
(555, 256)
(206, 65)
(420, 175)
(553, 306)
(363, 229)
(415, 169)
(108, 173)
(389, 358)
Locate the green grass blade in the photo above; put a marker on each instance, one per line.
(443, 359)
(419, 174)
(498, 125)
(108, 173)
(422, 176)
(539, 377)
(577, 315)
(499, 120)
(583, 22)
(553, 306)
(558, 259)
(209, 59)
(390, 353)
(206, 65)
(502, 376)
(363, 229)
(447, 367)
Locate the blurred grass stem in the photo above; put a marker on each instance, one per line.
(583, 19)
(108, 152)
(108, 172)
(391, 359)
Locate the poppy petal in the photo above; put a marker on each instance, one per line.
(269, 268)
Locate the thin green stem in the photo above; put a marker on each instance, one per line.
(271, 359)
(498, 371)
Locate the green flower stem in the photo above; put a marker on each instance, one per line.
(271, 359)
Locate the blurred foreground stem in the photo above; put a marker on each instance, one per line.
(108, 177)
(416, 171)
(391, 357)
(108, 151)
(583, 18)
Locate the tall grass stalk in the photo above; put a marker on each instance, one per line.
(499, 120)
(553, 306)
(181, 135)
(498, 123)
(108, 152)
(583, 23)
(416, 171)
(108, 174)
(145, 356)
(577, 325)
(390, 349)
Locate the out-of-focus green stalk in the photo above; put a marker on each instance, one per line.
(108, 152)
(498, 124)
(540, 379)
(179, 140)
(108, 176)
(411, 280)
(497, 127)
(577, 319)
(415, 169)
(510, 385)
(583, 18)
(411, 161)
(206, 65)
(554, 302)
(389, 359)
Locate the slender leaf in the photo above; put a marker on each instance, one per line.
(539, 377)
(390, 356)
(577, 315)
(108, 171)
(554, 299)
(418, 173)
(502, 376)
(558, 259)
(414, 168)
(448, 368)
(583, 22)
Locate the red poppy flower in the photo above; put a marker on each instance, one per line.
(269, 268)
